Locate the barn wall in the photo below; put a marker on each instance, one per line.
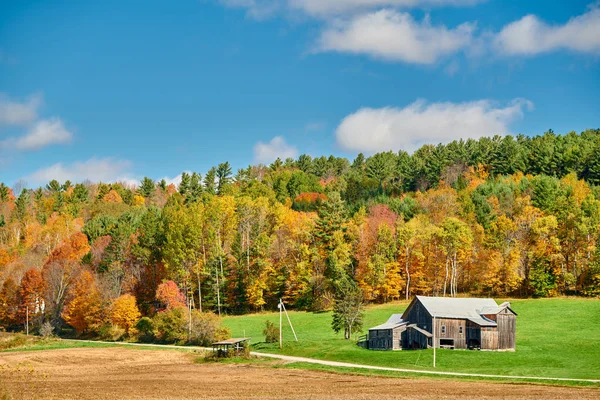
(380, 339)
(452, 331)
(507, 328)
(386, 339)
(489, 338)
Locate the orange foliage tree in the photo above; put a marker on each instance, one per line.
(83, 310)
(30, 295)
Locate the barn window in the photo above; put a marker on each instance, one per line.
(460, 330)
(443, 329)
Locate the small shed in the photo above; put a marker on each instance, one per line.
(387, 336)
(228, 347)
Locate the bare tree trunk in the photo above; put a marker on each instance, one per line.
(218, 292)
(407, 275)
(446, 278)
(199, 291)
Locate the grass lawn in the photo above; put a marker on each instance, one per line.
(555, 338)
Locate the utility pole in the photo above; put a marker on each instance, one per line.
(189, 319)
(27, 320)
(434, 343)
(280, 324)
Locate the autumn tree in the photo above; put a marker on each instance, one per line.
(124, 312)
(83, 309)
(30, 296)
(169, 294)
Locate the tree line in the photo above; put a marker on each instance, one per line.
(501, 216)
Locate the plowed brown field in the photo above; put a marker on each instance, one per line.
(120, 373)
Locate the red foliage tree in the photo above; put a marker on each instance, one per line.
(169, 294)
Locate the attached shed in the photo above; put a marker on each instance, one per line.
(387, 336)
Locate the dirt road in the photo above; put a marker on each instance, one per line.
(124, 373)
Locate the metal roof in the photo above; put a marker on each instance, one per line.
(231, 341)
(460, 308)
(394, 321)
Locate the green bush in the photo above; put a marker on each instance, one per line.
(145, 327)
(112, 333)
(207, 329)
(171, 326)
(271, 332)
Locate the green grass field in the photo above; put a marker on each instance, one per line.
(555, 338)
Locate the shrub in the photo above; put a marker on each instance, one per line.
(207, 329)
(11, 341)
(145, 327)
(46, 330)
(271, 332)
(111, 332)
(170, 326)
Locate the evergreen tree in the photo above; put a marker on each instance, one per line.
(209, 181)
(147, 188)
(223, 174)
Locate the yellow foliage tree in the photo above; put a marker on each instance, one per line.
(125, 312)
(138, 200)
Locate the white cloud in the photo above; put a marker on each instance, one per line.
(43, 133)
(395, 36)
(19, 113)
(261, 9)
(257, 9)
(530, 35)
(94, 169)
(266, 153)
(324, 7)
(371, 130)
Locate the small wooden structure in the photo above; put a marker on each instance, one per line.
(460, 323)
(230, 347)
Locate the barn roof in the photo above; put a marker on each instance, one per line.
(461, 308)
(394, 321)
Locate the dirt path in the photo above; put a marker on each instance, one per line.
(124, 373)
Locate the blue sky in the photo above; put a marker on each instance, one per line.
(118, 90)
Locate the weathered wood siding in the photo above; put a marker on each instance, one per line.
(507, 328)
(380, 339)
(489, 338)
(386, 339)
(453, 331)
(417, 314)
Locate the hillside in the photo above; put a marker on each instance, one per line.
(499, 216)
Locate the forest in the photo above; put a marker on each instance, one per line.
(506, 216)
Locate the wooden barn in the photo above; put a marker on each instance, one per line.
(460, 323)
